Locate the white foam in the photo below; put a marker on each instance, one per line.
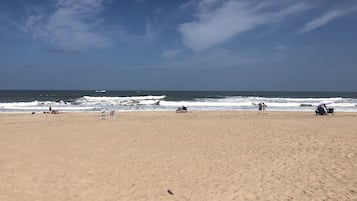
(106, 98)
(143, 103)
(19, 104)
(46, 108)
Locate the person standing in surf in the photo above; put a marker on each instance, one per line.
(264, 106)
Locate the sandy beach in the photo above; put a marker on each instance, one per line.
(169, 156)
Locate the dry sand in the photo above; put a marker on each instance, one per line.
(196, 156)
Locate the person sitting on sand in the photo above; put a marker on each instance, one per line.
(182, 109)
(321, 110)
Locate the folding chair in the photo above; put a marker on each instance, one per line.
(103, 115)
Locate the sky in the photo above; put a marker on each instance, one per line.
(267, 45)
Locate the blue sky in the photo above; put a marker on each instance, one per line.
(179, 45)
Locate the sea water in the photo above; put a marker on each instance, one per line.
(91, 100)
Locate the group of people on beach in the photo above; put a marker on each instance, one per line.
(50, 111)
(322, 109)
(262, 106)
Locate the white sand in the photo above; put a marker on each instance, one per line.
(197, 156)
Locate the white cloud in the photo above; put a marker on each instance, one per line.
(150, 33)
(217, 21)
(326, 18)
(73, 25)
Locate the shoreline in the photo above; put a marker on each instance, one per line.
(154, 111)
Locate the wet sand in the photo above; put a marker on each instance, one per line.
(187, 156)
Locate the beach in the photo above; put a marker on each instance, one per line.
(198, 155)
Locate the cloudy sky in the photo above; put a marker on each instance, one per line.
(179, 44)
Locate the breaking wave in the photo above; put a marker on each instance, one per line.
(162, 102)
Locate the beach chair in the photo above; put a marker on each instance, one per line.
(330, 110)
(103, 115)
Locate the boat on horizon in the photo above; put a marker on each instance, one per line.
(100, 91)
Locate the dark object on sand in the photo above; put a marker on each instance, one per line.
(170, 192)
(181, 109)
(330, 110)
(305, 105)
(323, 110)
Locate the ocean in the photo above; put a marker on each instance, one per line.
(91, 100)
